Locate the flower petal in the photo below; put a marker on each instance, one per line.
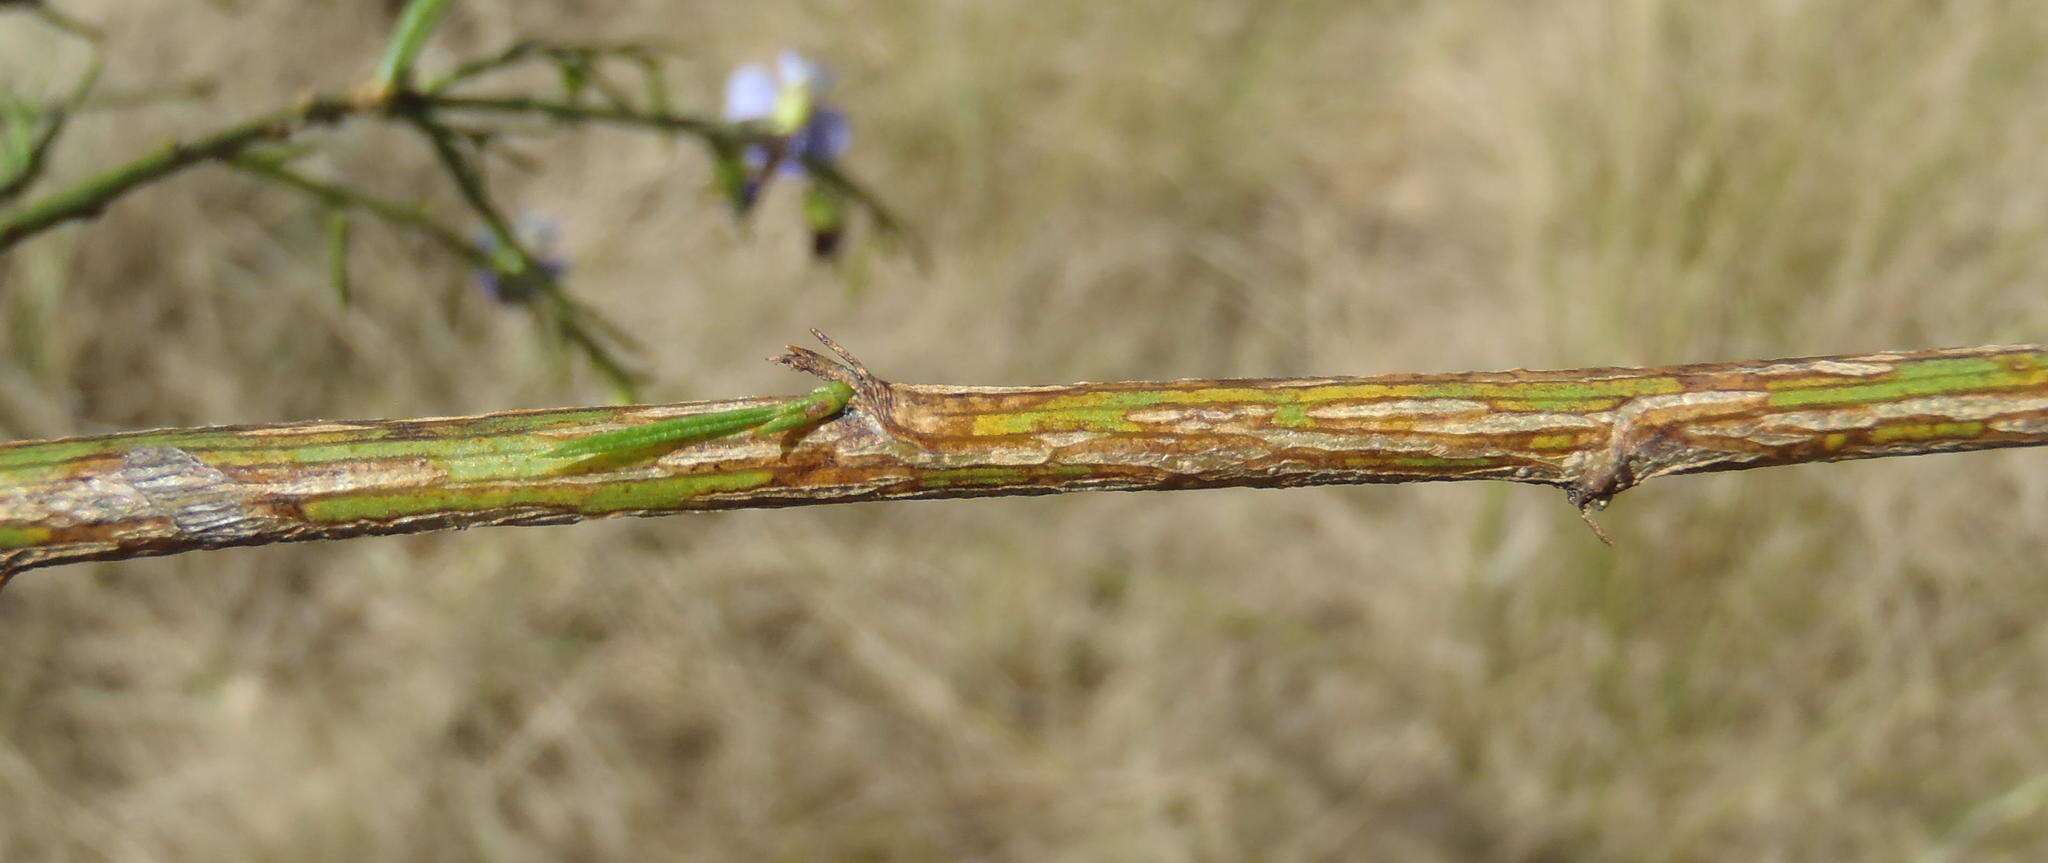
(829, 135)
(750, 93)
(824, 139)
(798, 70)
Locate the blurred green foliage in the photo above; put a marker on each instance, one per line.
(267, 147)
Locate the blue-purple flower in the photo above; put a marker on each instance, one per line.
(503, 281)
(789, 103)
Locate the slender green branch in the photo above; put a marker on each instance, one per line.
(565, 112)
(517, 53)
(152, 96)
(885, 219)
(470, 182)
(656, 82)
(602, 83)
(1591, 432)
(415, 26)
(574, 323)
(56, 19)
(722, 137)
(337, 255)
(26, 133)
(536, 49)
(579, 325)
(92, 196)
(95, 194)
(391, 98)
(570, 320)
(36, 157)
(563, 317)
(411, 217)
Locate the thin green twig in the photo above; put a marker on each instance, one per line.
(391, 97)
(570, 319)
(576, 326)
(597, 79)
(565, 112)
(540, 49)
(470, 182)
(720, 136)
(58, 20)
(415, 25)
(37, 157)
(411, 217)
(563, 318)
(337, 255)
(92, 196)
(886, 219)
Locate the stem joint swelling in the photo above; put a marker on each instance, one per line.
(1606, 475)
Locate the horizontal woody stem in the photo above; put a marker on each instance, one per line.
(1591, 432)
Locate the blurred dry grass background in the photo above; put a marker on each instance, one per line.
(1823, 663)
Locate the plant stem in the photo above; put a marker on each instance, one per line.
(90, 197)
(410, 217)
(471, 183)
(38, 155)
(566, 112)
(55, 19)
(415, 26)
(1591, 432)
(557, 52)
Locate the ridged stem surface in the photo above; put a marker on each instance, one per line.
(1592, 432)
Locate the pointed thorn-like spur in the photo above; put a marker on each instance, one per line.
(852, 361)
(1587, 497)
(847, 369)
(1586, 513)
(811, 362)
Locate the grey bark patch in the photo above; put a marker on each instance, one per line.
(200, 500)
